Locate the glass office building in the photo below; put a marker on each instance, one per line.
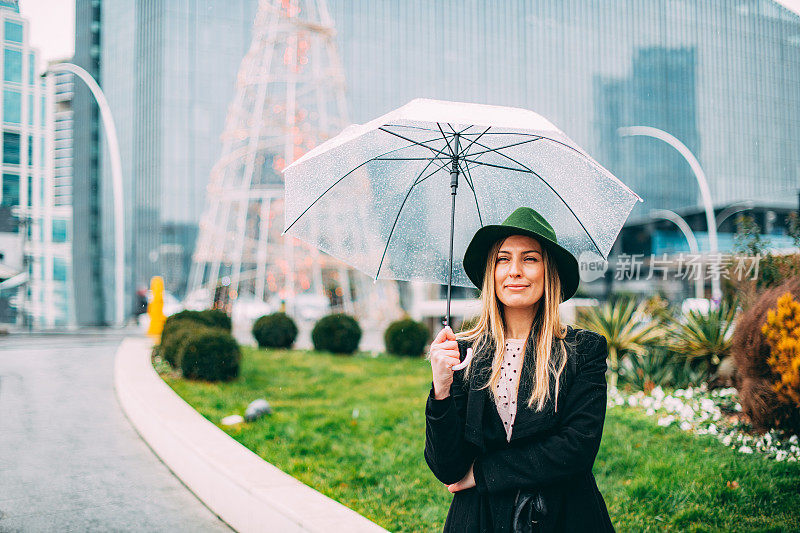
(48, 252)
(723, 77)
(88, 235)
(22, 158)
(168, 70)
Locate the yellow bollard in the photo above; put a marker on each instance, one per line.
(155, 309)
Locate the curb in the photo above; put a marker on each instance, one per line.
(246, 492)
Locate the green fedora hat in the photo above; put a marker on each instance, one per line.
(523, 221)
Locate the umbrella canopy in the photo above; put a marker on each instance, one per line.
(381, 196)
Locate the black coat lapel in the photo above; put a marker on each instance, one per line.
(528, 421)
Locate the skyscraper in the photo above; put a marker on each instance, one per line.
(48, 250)
(723, 77)
(88, 235)
(168, 71)
(22, 116)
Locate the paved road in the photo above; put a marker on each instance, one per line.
(69, 459)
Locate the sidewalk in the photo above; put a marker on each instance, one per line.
(248, 493)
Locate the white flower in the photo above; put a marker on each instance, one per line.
(686, 426)
(632, 401)
(707, 404)
(793, 439)
(745, 449)
(666, 420)
(712, 428)
(726, 440)
(651, 411)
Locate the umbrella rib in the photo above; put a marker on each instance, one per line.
(409, 159)
(343, 177)
(441, 167)
(525, 170)
(468, 178)
(399, 211)
(452, 154)
(412, 141)
(565, 145)
(410, 127)
(504, 147)
(528, 170)
(464, 151)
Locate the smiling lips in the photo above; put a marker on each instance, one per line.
(517, 286)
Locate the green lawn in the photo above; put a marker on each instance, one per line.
(652, 478)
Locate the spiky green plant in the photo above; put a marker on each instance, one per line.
(705, 338)
(626, 327)
(653, 367)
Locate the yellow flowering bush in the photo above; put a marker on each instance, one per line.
(782, 332)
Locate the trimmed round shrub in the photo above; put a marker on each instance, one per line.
(406, 337)
(277, 330)
(210, 354)
(172, 341)
(213, 318)
(337, 333)
(217, 318)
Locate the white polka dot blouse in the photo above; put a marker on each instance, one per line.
(506, 391)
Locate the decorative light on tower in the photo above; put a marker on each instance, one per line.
(289, 98)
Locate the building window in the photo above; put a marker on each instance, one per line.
(13, 32)
(10, 189)
(12, 106)
(59, 230)
(59, 269)
(10, 148)
(12, 65)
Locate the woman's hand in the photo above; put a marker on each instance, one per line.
(467, 482)
(444, 355)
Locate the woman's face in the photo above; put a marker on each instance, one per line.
(519, 272)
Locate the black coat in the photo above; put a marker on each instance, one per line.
(550, 454)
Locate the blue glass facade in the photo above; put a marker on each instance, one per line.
(21, 157)
(168, 71)
(723, 77)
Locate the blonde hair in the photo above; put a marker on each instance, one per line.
(490, 327)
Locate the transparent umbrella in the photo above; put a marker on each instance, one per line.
(401, 196)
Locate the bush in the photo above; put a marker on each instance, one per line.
(210, 354)
(172, 340)
(217, 318)
(213, 318)
(751, 351)
(782, 331)
(337, 333)
(705, 338)
(406, 337)
(277, 330)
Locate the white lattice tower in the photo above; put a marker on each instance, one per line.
(289, 98)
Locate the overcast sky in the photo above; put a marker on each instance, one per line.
(52, 24)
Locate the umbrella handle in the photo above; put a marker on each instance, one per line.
(465, 362)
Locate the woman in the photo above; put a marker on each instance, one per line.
(514, 433)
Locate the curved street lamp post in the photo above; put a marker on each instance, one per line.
(116, 178)
(690, 238)
(705, 192)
